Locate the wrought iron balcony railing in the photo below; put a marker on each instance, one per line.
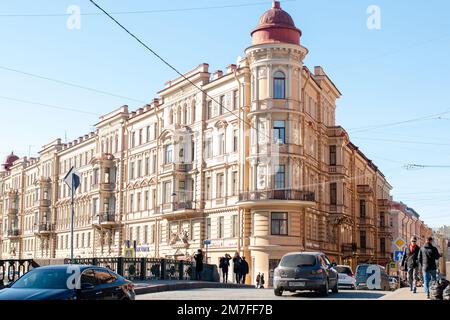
(104, 217)
(13, 232)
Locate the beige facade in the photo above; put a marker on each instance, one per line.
(254, 162)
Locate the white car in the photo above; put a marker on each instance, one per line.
(346, 277)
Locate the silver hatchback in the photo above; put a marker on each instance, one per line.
(299, 271)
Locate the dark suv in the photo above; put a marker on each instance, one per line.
(305, 271)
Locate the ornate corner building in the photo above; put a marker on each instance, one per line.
(254, 162)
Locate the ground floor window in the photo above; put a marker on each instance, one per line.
(279, 223)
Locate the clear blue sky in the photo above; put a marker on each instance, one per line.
(397, 73)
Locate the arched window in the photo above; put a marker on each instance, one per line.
(279, 85)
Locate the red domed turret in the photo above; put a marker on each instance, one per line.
(276, 26)
(9, 161)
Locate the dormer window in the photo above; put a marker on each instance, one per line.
(279, 85)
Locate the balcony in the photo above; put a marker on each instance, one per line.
(13, 211)
(384, 204)
(337, 170)
(44, 228)
(184, 205)
(282, 197)
(366, 221)
(183, 210)
(13, 233)
(384, 229)
(105, 219)
(44, 203)
(364, 189)
(107, 186)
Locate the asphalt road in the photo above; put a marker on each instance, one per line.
(257, 294)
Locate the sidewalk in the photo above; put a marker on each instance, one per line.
(405, 294)
(142, 287)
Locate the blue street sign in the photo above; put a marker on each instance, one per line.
(207, 242)
(398, 255)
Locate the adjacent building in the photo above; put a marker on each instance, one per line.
(253, 162)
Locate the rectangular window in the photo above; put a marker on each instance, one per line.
(234, 183)
(208, 148)
(234, 222)
(168, 151)
(138, 201)
(383, 245)
(362, 208)
(333, 193)
(220, 186)
(147, 135)
(208, 228)
(279, 223)
(132, 170)
(221, 228)
(221, 144)
(182, 191)
(235, 140)
(221, 105)
(145, 200)
(209, 109)
(208, 188)
(235, 99)
(140, 136)
(362, 239)
(139, 168)
(167, 186)
(279, 177)
(147, 166)
(279, 132)
(153, 162)
(131, 209)
(133, 136)
(279, 84)
(145, 234)
(332, 155)
(138, 234)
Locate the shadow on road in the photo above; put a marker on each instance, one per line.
(354, 294)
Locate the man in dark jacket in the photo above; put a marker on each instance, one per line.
(198, 264)
(410, 263)
(427, 258)
(244, 269)
(224, 264)
(237, 266)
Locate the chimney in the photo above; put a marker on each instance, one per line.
(318, 71)
(231, 68)
(218, 74)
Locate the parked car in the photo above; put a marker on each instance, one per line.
(299, 271)
(346, 278)
(53, 283)
(366, 271)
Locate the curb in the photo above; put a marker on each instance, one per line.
(186, 286)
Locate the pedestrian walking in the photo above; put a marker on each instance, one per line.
(224, 264)
(258, 280)
(428, 255)
(410, 263)
(262, 282)
(244, 269)
(237, 266)
(198, 257)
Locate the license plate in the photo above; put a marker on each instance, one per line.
(297, 284)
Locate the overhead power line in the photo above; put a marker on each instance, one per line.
(48, 105)
(140, 11)
(404, 141)
(70, 84)
(421, 166)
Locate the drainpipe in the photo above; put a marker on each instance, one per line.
(241, 166)
(302, 133)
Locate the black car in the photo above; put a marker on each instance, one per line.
(300, 271)
(69, 282)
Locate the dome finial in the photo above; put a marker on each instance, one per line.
(276, 4)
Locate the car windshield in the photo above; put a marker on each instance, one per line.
(296, 260)
(43, 279)
(341, 269)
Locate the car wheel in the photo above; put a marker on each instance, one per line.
(278, 292)
(335, 288)
(325, 288)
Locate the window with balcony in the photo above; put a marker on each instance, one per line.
(279, 132)
(279, 85)
(280, 177)
(220, 186)
(182, 191)
(382, 220)
(362, 208)
(333, 193)
(279, 223)
(332, 155)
